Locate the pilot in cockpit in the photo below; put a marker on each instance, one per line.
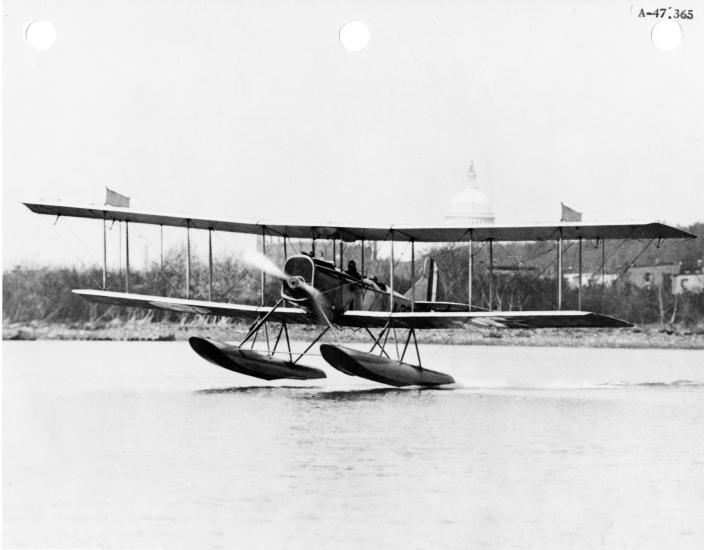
(352, 270)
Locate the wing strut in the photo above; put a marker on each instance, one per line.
(391, 296)
(362, 272)
(579, 286)
(603, 273)
(413, 275)
(105, 255)
(559, 271)
(491, 274)
(263, 275)
(210, 265)
(127, 257)
(188, 260)
(469, 273)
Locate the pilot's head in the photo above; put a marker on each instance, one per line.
(351, 265)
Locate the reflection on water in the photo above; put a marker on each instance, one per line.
(320, 393)
(145, 445)
(371, 394)
(255, 389)
(674, 384)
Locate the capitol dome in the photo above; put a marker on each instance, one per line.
(470, 206)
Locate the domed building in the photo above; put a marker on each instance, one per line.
(470, 206)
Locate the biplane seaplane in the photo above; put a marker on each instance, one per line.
(320, 293)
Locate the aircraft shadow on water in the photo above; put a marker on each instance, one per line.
(320, 293)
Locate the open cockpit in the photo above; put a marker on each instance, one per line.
(342, 290)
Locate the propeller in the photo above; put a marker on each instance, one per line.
(256, 259)
(320, 305)
(260, 261)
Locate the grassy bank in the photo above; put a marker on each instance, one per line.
(639, 337)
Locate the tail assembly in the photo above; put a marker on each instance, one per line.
(425, 289)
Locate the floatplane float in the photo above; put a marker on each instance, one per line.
(320, 293)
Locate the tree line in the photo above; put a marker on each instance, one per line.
(524, 279)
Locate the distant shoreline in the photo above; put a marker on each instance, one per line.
(650, 337)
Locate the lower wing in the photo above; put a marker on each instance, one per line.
(497, 319)
(418, 320)
(179, 305)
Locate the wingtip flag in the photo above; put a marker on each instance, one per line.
(113, 198)
(570, 214)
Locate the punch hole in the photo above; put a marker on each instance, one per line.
(666, 35)
(354, 36)
(40, 34)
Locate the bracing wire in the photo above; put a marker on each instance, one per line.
(90, 254)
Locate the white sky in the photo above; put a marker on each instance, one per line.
(253, 109)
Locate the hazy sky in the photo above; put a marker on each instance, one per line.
(253, 109)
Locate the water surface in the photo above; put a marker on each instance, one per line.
(145, 445)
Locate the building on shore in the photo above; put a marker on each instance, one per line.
(515, 270)
(651, 275)
(688, 283)
(642, 276)
(648, 276)
(572, 279)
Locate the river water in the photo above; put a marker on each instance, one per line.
(145, 445)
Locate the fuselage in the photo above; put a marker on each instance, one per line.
(340, 290)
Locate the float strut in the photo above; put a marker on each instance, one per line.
(260, 322)
(288, 343)
(415, 343)
(311, 344)
(405, 346)
(377, 340)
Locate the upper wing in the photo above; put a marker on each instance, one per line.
(534, 232)
(497, 319)
(288, 314)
